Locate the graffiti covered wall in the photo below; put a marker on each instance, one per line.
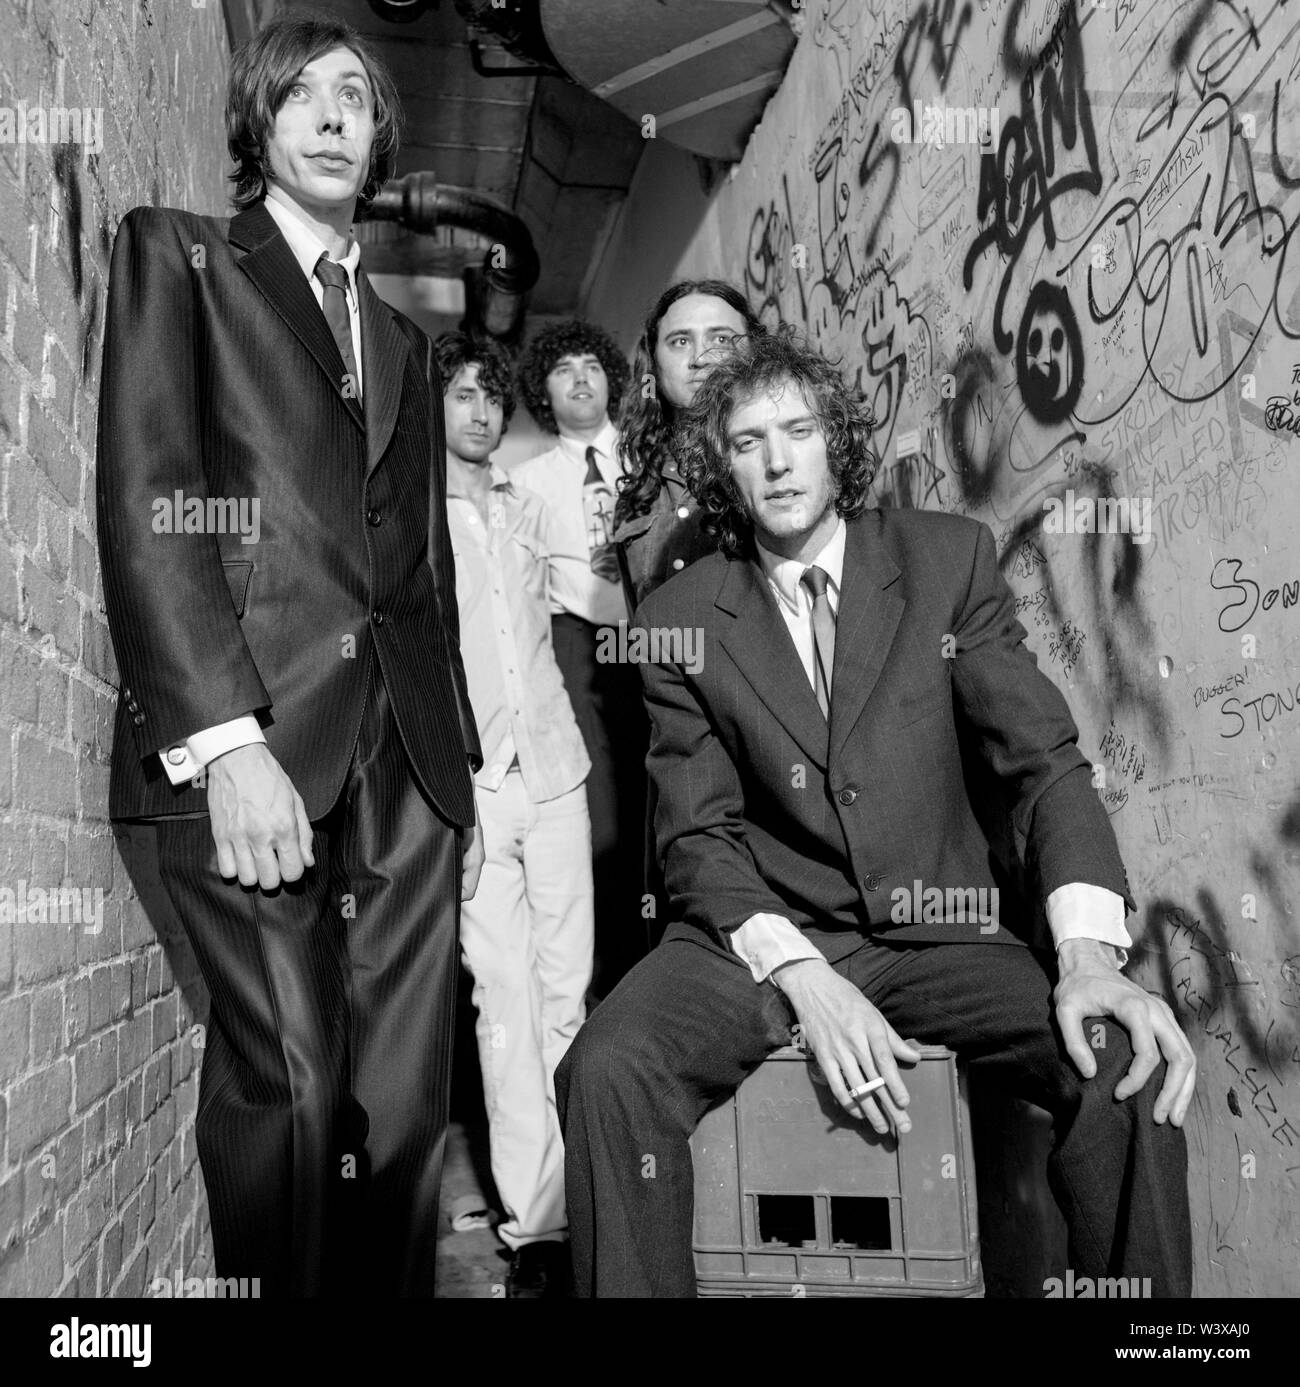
(1054, 243)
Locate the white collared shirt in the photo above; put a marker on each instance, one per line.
(515, 685)
(186, 760)
(794, 601)
(1078, 910)
(558, 476)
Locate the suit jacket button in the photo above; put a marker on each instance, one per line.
(848, 794)
(378, 618)
(138, 719)
(374, 517)
(872, 882)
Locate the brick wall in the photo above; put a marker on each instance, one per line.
(100, 1189)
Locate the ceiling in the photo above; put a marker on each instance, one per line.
(560, 157)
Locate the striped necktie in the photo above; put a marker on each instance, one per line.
(823, 624)
(334, 304)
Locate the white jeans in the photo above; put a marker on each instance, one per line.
(527, 939)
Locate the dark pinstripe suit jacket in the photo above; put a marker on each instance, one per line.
(221, 379)
(763, 807)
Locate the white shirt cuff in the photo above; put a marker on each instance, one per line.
(1080, 910)
(185, 761)
(766, 942)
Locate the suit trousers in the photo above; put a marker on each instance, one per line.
(325, 1078)
(685, 1027)
(607, 703)
(527, 937)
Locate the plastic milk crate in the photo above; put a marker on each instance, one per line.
(794, 1197)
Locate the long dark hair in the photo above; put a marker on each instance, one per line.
(763, 363)
(646, 420)
(262, 72)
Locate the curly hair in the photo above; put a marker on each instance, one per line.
(573, 337)
(762, 364)
(456, 350)
(646, 420)
(261, 74)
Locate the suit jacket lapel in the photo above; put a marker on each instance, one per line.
(869, 613)
(270, 264)
(384, 353)
(753, 632)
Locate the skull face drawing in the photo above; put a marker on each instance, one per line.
(1049, 355)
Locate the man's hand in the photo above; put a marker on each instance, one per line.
(471, 862)
(851, 1041)
(259, 822)
(1090, 985)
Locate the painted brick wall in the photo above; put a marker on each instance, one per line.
(100, 1188)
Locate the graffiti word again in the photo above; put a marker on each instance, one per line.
(1282, 415)
(1246, 590)
(1203, 693)
(1266, 707)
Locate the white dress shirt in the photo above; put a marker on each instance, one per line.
(558, 477)
(515, 686)
(186, 760)
(1078, 910)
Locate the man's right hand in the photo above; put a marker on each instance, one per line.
(851, 1041)
(259, 822)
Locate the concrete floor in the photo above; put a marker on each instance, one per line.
(472, 1265)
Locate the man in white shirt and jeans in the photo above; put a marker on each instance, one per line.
(527, 934)
(808, 769)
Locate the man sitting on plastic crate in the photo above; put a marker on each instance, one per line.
(812, 688)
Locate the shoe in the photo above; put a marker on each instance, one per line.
(540, 1271)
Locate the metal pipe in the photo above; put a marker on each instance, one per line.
(497, 293)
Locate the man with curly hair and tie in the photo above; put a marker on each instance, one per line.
(809, 770)
(569, 374)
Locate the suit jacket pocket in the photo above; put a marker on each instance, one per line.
(913, 712)
(239, 573)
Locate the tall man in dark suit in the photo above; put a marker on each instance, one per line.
(293, 726)
(809, 773)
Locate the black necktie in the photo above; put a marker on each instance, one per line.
(596, 497)
(335, 306)
(823, 624)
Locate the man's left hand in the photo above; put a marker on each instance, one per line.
(471, 860)
(1090, 985)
